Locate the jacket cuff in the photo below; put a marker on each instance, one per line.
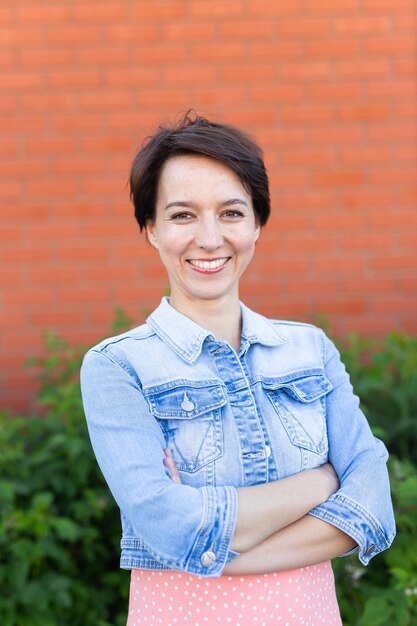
(211, 550)
(356, 522)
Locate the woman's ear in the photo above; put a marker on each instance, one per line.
(257, 231)
(151, 235)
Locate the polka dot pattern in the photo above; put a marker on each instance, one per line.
(302, 597)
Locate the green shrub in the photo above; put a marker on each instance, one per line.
(60, 529)
(59, 526)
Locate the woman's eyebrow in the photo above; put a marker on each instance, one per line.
(183, 203)
(234, 201)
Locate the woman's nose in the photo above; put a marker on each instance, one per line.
(209, 234)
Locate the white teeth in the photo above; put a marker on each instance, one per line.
(208, 265)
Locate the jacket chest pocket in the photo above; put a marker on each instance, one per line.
(191, 419)
(301, 406)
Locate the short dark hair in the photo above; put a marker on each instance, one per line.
(194, 134)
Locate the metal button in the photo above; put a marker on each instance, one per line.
(187, 404)
(208, 558)
(370, 549)
(268, 451)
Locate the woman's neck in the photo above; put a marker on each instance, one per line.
(222, 319)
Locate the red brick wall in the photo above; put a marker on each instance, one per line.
(328, 87)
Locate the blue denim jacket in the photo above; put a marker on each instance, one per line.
(280, 405)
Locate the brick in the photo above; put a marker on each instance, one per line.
(254, 73)
(305, 114)
(404, 23)
(73, 122)
(193, 31)
(131, 33)
(75, 78)
(209, 53)
(330, 7)
(41, 59)
(43, 14)
(91, 57)
(394, 176)
(283, 50)
(51, 188)
(175, 97)
(315, 158)
(336, 134)
(395, 218)
(82, 252)
(210, 9)
(341, 177)
(52, 231)
(53, 274)
(365, 198)
(332, 49)
(104, 99)
(362, 25)
(392, 89)
(32, 168)
(97, 13)
(264, 7)
(393, 46)
(22, 80)
(161, 54)
(395, 133)
(405, 67)
(281, 137)
(306, 200)
(302, 28)
(46, 101)
(205, 97)
(28, 296)
(367, 112)
(243, 29)
(73, 35)
(364, 68)
(397, 261)
(56, 319)
(158, 10)
(335, 91)
(365, 155)
(130, 77)
(50, 144)
(189, 75)
(305, 71)
(277, 93)
(399, 6)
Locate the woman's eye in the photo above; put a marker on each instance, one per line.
(181, 217)
(233, 214)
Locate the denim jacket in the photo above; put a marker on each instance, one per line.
(281, 404)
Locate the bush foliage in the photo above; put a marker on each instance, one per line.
(60, 530)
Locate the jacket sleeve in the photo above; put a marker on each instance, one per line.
(186, 528)
(362, 506)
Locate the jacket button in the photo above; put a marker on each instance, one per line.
(370, 549)
(268, 451)
(208, 558)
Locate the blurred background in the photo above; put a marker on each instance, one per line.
(329, 90)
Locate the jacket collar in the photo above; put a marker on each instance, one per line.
(186, 337)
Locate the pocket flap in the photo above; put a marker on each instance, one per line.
(305, 388)
(186, 401)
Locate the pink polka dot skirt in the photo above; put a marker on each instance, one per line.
(299, 597)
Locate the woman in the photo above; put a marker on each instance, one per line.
(233, 445)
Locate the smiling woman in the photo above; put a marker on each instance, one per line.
(207, 237)
(233, 444)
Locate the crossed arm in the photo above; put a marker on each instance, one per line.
(273, 531)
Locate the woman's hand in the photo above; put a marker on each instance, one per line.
(171, 466)
(330, 479)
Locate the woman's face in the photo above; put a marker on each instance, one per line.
(205, 229)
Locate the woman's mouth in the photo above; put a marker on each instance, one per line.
(202, 265)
